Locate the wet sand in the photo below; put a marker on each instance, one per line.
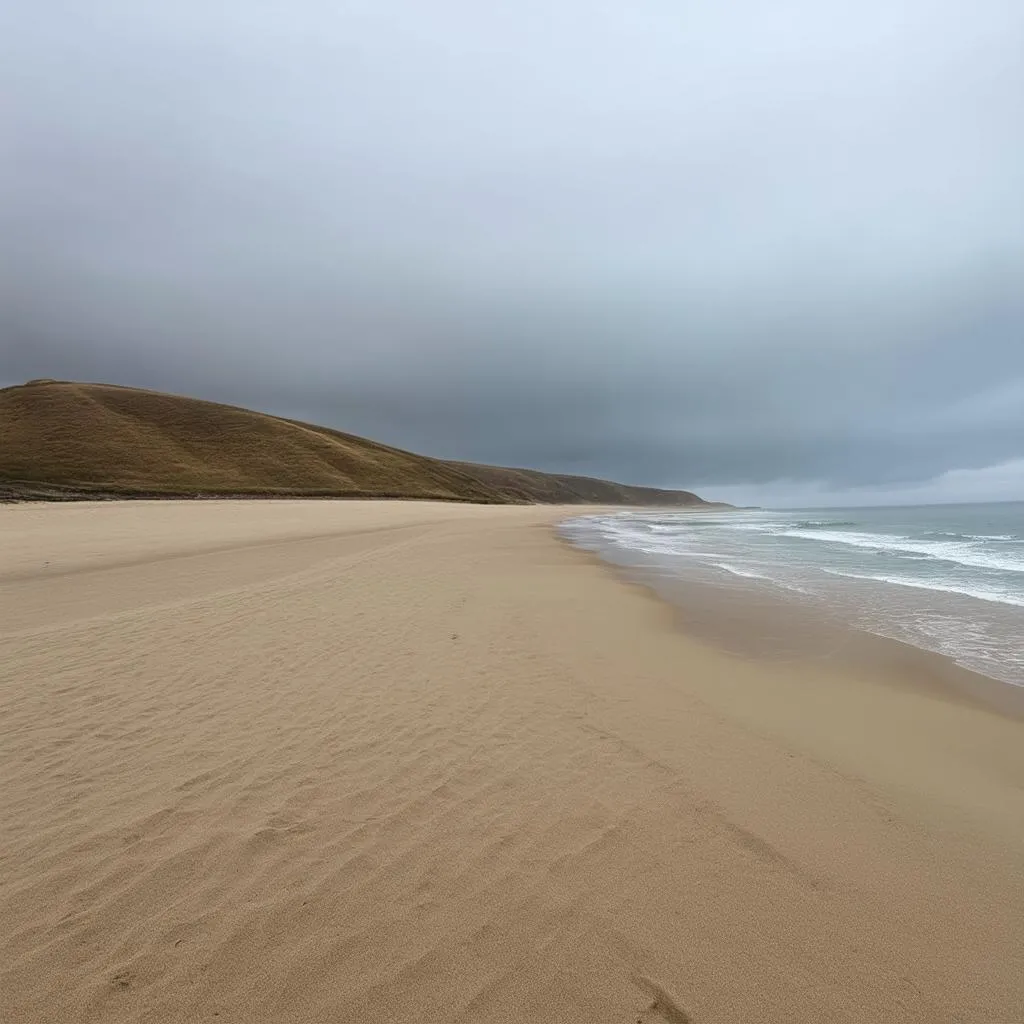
(323, 761)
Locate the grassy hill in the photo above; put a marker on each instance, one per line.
(66, 440)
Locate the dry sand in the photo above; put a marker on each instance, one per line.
(325, 762)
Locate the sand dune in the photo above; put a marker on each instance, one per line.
(326, 762)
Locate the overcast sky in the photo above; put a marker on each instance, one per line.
(773, 252)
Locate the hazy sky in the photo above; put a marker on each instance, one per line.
(770, 251)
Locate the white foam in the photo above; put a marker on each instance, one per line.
(745, 573)
(979, 593)
(946, 551)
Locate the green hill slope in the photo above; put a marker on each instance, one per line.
(63, 440)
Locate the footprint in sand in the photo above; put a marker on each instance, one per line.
(664, 1009)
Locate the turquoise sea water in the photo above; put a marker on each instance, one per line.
(948, 578)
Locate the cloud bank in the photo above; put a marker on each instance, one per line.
(766, 251)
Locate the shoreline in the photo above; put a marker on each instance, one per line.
(770, 628)
(294, 761)
(763, 618)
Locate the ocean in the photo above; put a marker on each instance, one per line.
(946, 578)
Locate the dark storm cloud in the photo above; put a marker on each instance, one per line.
(704, 245)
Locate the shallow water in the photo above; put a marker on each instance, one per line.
(947, 578)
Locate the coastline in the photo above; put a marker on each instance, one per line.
(941, 582)
(390, 761)
(774, 629)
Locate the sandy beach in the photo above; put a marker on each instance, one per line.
(295, 761)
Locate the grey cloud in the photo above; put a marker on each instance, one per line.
(712, 247)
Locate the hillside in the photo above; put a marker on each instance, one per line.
(563, 489)
(67, 440)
